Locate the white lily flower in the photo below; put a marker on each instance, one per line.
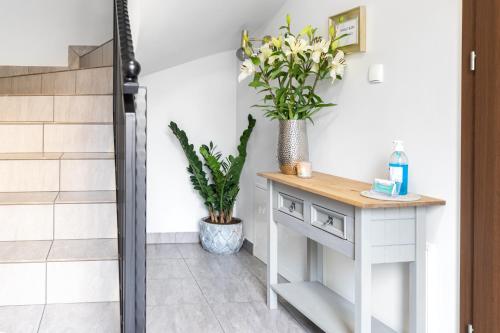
(247, 69)
(295, 46)
(265, 53)
(337, 66)
(318, 48)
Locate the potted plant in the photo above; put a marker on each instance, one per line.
(287, 69)
(220, 232)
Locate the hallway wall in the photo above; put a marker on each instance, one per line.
(418, 103)
(38, 33)
(200, 96)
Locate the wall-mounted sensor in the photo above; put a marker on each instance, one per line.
(376, 73)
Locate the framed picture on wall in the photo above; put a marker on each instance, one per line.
(353, 24)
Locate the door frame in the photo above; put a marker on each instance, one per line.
(467, 167)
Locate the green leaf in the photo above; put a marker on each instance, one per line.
(195, 167)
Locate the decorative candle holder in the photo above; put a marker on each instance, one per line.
(304, 169)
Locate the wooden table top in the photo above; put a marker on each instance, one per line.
(343, 190)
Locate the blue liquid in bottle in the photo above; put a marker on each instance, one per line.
(398, 168)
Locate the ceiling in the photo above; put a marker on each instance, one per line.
(172, 32)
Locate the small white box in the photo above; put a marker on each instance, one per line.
(376, 73)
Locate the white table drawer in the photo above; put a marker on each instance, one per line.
(291, 205)
(332, 222)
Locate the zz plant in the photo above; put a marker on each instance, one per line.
(219, 191)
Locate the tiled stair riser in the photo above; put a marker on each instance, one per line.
(37, 138)
(58, 109)
(61, 271)
(59, 221)
(92, 81)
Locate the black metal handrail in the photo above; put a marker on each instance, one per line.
(130, 66)
(129, 117)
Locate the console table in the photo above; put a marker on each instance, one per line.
(330, 212)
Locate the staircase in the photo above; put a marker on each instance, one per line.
(58, 228)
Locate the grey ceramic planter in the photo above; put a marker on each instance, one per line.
(221, 238)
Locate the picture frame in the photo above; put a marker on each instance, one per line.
(352, 22)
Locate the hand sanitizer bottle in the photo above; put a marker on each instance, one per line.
(398, 168)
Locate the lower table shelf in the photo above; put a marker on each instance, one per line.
(328, 310)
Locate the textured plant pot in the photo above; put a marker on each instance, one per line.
(221, 238)
(293, 146)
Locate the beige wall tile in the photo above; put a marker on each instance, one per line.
(26, 108)
(87, 175)
(73, 59)
(26, 222)
(5, 86)
(6, 71)
(29, 175)
(84, 221)
(92, 59)
(62, 83)
(97, 81)
(27, 85)
(107, 54)
(87, 109)
(21, 138)
(78, 138)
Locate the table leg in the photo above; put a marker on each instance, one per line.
(314, 261)
(363, 271)
(272, 252)
(418, 312)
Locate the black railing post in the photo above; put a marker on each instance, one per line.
(130, 158)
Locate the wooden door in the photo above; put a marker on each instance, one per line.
(480, 213)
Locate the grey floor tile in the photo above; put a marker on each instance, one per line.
(167, 269)
(81, 318)
(163, 251)
(190, 251)
(20, 319)
(223, 290)
(182, 318)
(254, 317)
(217, 267)
(255, 266)
(173, 291)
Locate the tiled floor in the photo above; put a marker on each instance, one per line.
(191, 290)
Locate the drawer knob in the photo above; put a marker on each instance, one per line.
(292, 207)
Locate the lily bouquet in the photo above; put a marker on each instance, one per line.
(287, 69)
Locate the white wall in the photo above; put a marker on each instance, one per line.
(419, 44)
(200, 96)
(197, 28)
(38, 33)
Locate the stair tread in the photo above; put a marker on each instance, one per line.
(88, 156)
(86, 197)
(24, 251)
(83, 249)
(30, 156)
(57, 156)
(51, 197)
(30, 198)
(58, 251)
